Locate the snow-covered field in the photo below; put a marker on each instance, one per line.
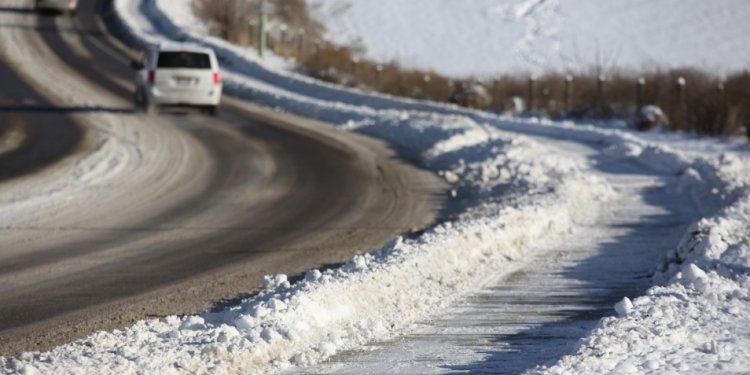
(490, 37)
(519, 192)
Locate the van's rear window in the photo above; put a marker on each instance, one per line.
(189, 60)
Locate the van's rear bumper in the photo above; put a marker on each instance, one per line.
(59, 5)
(197, 98)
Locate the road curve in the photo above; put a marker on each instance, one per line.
(33, 134)
(171, 214)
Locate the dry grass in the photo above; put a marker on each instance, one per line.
(228, 19)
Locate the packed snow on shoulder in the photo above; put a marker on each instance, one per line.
(516, 194)
(697, 319)
(489, 37)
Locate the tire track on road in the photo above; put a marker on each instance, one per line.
(42, 138)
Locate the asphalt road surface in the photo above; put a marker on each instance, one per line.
(206, 207)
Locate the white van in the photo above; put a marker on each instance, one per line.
(66, 6)
(179, 75)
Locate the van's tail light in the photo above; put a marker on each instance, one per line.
(217, 78)
(151, 77)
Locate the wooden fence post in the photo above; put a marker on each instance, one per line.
(600, 88)
(425, 89)
(496, 93)
(639, 86)
(378, 75)
(355, 61)
(316, 47)
(253, 34)
(532, 93)
(681, 105)
(300, 43)
(568, 93)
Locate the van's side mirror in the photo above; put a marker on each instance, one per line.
(136, 65)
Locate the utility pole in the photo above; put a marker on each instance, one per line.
(263, 8)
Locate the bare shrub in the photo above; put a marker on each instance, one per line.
(328, 63)
(228, 19)
(650, 117)
(294, 14)
(237, 21)
(736, 93)
(471, 94)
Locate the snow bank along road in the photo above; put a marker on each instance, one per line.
(536, 310)
(127, 216)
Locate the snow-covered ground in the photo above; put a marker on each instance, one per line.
(534, 310)
(523, 187)
(490, 37)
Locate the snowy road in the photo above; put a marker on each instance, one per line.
(26, 143)
(537, 309)
(170, 214)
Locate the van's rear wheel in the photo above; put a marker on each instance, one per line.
(143, 104)
(138, 99)
(213, 110)
(151, 108)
